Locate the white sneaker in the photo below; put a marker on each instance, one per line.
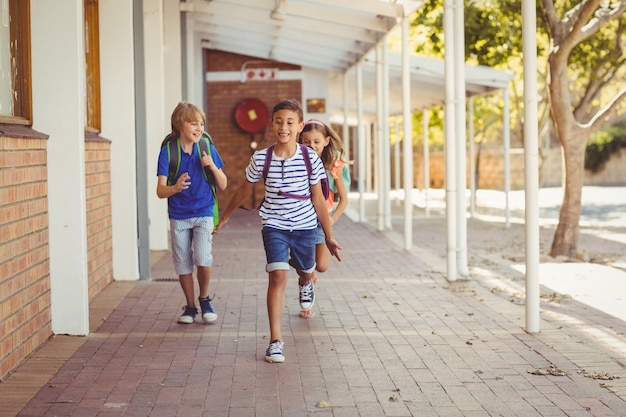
(307, 295)
(189, 314)
(274, 352)
(208, 312)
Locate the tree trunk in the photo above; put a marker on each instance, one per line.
(566, 236)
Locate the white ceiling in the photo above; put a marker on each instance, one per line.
(329, 35)
(427, 84)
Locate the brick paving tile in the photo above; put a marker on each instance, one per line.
(390, 337)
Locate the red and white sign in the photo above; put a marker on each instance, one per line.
(261, 74)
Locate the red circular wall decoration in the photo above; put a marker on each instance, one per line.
(252, 115)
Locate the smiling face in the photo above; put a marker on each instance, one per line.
(286, 125)
(315, 139)
(192, 131)
(188, 122)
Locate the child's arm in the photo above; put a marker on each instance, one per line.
(166, 191)
(220, 178)
(317, 198)
(242, 192)
(343, 199)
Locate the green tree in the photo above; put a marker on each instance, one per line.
(492, 38)
(586, 91)
(580, 42)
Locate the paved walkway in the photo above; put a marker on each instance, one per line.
(391, 337)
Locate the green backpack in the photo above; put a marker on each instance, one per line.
(173, 159)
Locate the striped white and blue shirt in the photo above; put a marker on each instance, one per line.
(289, 176)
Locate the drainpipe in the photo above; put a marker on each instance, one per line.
(143, 226)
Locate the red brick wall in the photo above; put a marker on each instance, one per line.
(99, 223)
(25, 321)
(25, 316)
(232, 142)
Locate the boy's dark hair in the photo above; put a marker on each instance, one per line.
(289, 104)
(185, 112)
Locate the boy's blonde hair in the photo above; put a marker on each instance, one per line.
(185, 112)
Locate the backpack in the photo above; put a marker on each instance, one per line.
(345, 176)
(309, 169)
(173, 160)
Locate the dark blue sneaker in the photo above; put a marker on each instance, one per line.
(208, 312)
(307, 295)
(189, 314)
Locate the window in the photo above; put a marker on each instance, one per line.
(92, 60)
(15, 67)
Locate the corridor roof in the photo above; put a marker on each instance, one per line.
(331, 35)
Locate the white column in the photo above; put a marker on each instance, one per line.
(396, 158)
(386, 154)
(361, 166)
(531, 160)
(450, 145)
(379, 156)
(370, 185)
(506, 135)
(58, 81)
(157, 117)
(118, 125)
(460, 127)
(472, 159)
(173, 55)
(407, 145)
(345, 128)
(426, 152)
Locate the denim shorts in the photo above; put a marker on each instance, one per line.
(192, 243)
(284, 248)
(320, 237)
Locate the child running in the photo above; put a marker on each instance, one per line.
(191, 204)
(329, 147)
(290, 210)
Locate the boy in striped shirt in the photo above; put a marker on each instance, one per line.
(292, 206)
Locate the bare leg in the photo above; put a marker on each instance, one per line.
(204, 278)
(275, 300)
(187, 284)
(322, 257)
(304, 277)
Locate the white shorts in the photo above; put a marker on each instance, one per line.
(192, 243)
